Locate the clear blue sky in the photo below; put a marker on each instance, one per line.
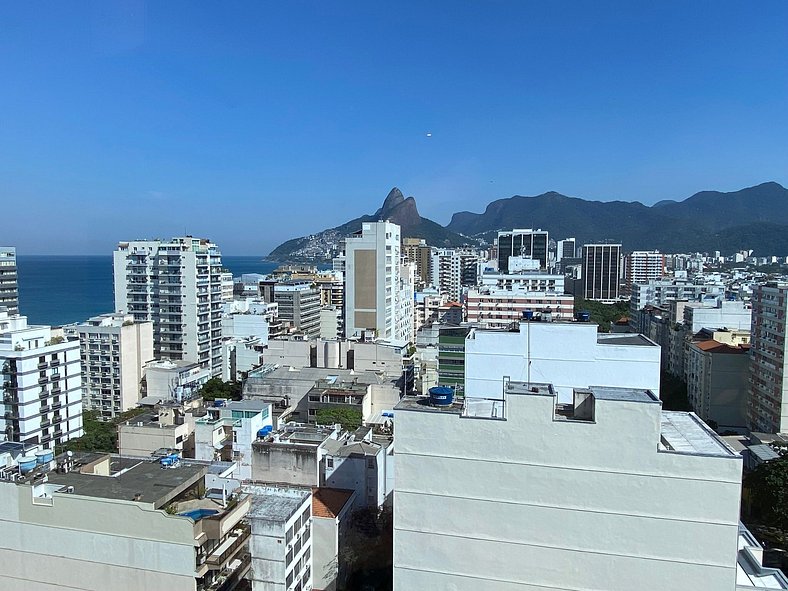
(255, 122)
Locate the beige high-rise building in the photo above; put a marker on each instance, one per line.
(378, 287)
(768, 405)
(416, 250)
(113, 350)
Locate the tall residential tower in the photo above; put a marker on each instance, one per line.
(178, 286)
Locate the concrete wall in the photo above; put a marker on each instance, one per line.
(566, 355)
(91, 544)
(532, 503)
(293, 464)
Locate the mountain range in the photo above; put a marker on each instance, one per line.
(753, 218)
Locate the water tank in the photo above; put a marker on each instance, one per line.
(219, 403)
(265, 431)
(27, 463)
(441, 396)
(528, 314)
(583, 316)
(44, 456)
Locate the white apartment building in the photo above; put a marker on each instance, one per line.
(451, 269)
(526, 281)
(658, 292)
(174, 381)
(513, 490)
(9, 289)
(498, 309)
(281, 540)
(768, 406)
(330, 323)
(567, 355)
(376, 292)
(113, 350)
(227, 286)
(734, 315)
(227, 433)
(177, 285)
(642, 266)
(41, 380)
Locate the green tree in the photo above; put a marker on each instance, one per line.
(768, 492)
(216, 388)
(603, 314)
(349, 418)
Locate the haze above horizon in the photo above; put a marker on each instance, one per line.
(253, 125)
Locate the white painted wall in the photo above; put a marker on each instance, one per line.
(566, 355)
(531, 503)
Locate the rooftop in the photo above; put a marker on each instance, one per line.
(142, 480)
(684, 432)
(273, 503)
(624, 339)
(329, 502)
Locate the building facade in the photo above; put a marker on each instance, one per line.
(496, 308)
(177, 285)
(512, 490)
(113, 351)
(41, 379)
(768, 406)
(642, 266)
(9, 288)
(299, 305)
(526, 243)
(601, 272)
(452, 269)
(377, 285)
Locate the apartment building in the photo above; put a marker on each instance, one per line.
(659, 292)
(566, 249)
(41, 380)
(281, 538)
(9, 289)
(378, 288)
(299, 305)
(642, 266)
(113, 350)
(177, 285)
(768, 406)
(497, 308)
(416, 250)
(717, 382)
(452, 269)
(94, 522)
(513, 490)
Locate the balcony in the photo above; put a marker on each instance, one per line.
(227, 550)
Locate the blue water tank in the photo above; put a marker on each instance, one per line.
(44, 456)
(265, 431)
(528, 314)
(583, 316)
(219, 403)
(441, 396)
(27, 463)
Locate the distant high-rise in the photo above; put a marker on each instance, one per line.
(642, 266)
(377, 284)
(768, 405)
(416, 250)
(452, 269)
(601, 272)
(9, 291)
(522, 243)
(178, 286)
(566, 249)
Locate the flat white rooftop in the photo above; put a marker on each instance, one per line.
(684, 432)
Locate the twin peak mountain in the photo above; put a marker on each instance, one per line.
(754, 218)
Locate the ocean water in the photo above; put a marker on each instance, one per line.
(63, 289)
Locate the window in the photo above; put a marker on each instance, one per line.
(330, 463)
